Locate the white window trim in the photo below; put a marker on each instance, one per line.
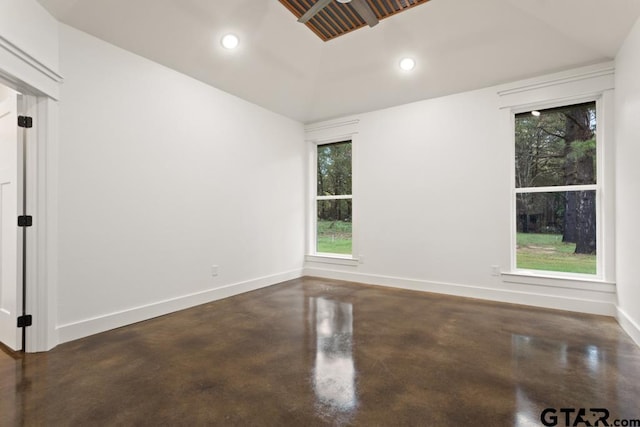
(593, 82)
(336, 197)
(558, 188)
(540, 278)
(312, 253)
(336, 259)
(321, 134)
(603, 270)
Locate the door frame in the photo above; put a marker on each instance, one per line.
(40, 85)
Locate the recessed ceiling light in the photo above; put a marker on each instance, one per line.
(535, 113)
(230, 41)
(407, 64)
(344, 1)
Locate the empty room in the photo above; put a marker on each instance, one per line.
(320, 212)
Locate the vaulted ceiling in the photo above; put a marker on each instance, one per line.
(458, 45)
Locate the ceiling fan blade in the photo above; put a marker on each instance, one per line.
(364, 10)
(317, 7)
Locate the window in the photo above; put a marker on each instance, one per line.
(556, 191)
(334, 199)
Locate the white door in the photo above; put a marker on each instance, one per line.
(10, 295)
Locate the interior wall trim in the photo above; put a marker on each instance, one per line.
(629, 326)
(95, 325)
(581, 305)
(315, 127)
(20, 69)
(584, 73)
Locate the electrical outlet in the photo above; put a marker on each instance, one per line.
(495, 270)
(360, 259)
(214, 270)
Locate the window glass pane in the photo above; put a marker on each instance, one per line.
(334, 226)
(334, 169)
(556, 231)
(556, 146)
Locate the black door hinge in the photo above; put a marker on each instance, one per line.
(24, 321)
(25, 221)
(25, 122)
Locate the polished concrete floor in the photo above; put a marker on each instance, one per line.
(319, 352)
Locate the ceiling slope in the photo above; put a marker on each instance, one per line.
(458, 45)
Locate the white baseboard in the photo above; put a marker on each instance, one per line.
(84, 328)
(95, 325)
(629, 325)
(580, 305)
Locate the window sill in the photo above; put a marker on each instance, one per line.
(559, 281)
(333, 259)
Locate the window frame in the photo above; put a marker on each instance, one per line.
(598, 187)
(312, 250)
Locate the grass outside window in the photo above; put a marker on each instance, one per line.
(334, 237)
(538, 251)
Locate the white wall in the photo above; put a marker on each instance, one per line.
(27, 25)
(160, 177)
(431, 188)
(628, 181)
(432, 196)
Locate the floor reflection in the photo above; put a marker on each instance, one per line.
(536, 358)
(527, 413)
(334, 368)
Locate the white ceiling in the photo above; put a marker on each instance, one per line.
(281, 65)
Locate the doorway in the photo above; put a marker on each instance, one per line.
(10, 262)
(14, 219)
(36, 88)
